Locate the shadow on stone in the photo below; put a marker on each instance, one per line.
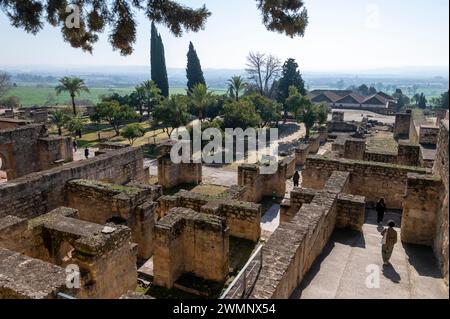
(390, 273)
(423, 260)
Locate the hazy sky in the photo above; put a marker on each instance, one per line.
(342, 35)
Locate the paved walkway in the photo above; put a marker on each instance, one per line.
(341, 271)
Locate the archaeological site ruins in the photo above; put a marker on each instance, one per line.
(121, 225)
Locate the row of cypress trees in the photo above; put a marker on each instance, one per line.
(194, 71)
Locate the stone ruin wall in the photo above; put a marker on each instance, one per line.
(243, 218)
(40, 192)
(428, 135)
(190, 242)
(101, 202)
(370, 179)
(421, 202)
(28, 149)
(402, 125)
(171, 175)
(107, 262)
(294, 246)
(440, 169)
(259, 185)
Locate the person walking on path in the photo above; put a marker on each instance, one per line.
(86, 152)
(75, 145)
(388, 242)
(381, 209)
(296, 178)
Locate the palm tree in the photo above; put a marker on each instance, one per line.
(74, 86)
(58, 119)
(200, 97)
(236, 85)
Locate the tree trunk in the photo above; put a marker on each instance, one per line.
(59, 131)
(73, 105)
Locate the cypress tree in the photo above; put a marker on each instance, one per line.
(194, 71)
(290, 76)
(158, 62)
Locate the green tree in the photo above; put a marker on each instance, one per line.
(75, 124)
(443, 101)
(119, 16)
(10, 102)
(422, 102)
(58, 119)
(74, 86)
(240, 114)
(5, 83)
(172, 113)
(132, 132)
(304, 110)
(268, 109)
(200, 98)
(147, 96)
(194, 71)
(115, 114)
(322, 113)
(235, 85)
(290, 76)
(158, 62)
(363, 90)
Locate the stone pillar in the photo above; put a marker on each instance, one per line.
(408, 154)
(402, 125)
(354, 149)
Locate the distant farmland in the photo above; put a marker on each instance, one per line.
(34, 95)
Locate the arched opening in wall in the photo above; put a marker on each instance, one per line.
(117, 220)
(3, 173)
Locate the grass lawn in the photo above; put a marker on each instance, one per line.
(33, 95)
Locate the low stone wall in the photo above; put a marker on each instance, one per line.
(381, 157)
(41, 192)
(172, 175)
(408, 154)
(290, 162)
(295, 245)
(107, 260)
(354, 148)
(243, 218)
(420, 206)
(259, 185)
(190, 242)
(342, 126)
(54, 151)
(373, 180)
(99, 203)
(428, 134)
(19, 282)
(350, 211)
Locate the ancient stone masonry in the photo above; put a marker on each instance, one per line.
(440, 169)
(293, 247)
(100, 202)
(370, 179)
(258, 184)
(355, 149)
(40, 192)
(402, 125)
(428, 134)
(242, 218)
(8, 123)
(18, 278)
(105, 255)
(190, 242)
(29, 149)
(420, 206)
(311, 146)
(172, 175)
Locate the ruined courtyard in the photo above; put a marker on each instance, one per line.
(137, 227)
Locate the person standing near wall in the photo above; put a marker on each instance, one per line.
(296, 178)
(86, 152)
(381, 209)
(388, 242)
